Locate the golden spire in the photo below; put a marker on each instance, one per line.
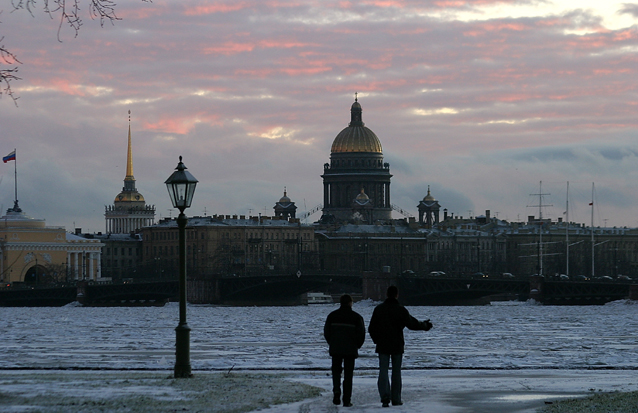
(129, 156)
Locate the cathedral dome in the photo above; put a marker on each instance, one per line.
(356, 137)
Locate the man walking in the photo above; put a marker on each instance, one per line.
(345, 332)
(386, 329)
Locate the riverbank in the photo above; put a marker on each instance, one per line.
(132, 391)
(435, 391)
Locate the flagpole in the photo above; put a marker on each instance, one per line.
(15, 173)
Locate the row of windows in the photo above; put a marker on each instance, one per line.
(118, 263)
(411, 248)
(122, 251)
(173, 235)
(349, 162)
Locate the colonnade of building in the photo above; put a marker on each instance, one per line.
(126, 225)
(84, 265)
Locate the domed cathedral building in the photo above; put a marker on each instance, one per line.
(129, 211)
(356, 171)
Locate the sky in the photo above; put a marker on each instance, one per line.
(482, 101)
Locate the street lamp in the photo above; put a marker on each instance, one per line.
(181, 187)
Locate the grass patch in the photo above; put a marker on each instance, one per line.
(617, 402)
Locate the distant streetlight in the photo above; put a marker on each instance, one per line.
(181, 187)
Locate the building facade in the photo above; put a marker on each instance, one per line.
(230, 246)
(34, 254)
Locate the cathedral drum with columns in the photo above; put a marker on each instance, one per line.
(356, 171)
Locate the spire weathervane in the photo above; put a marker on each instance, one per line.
(355, 96)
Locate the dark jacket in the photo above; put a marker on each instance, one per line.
(345, 332)
(387, 324)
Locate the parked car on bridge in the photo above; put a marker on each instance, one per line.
(479, 275)
(508, 275)
(581, 278)
(437, 274)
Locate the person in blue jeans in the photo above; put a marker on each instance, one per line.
(345, 332)
(386, 330)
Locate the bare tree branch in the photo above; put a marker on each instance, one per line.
(8, 75)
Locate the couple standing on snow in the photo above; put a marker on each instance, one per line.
(345, 333)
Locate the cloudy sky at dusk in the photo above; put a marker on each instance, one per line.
(481, 100)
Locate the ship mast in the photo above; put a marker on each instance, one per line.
(540, 226)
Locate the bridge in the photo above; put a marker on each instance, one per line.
(130, 293)
(454, 291)
(90, 294)
(580, 292)
(458, 291)
(287, 289)
(283, 289)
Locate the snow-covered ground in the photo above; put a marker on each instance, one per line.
(514, 356)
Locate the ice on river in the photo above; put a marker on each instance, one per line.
(498, 336)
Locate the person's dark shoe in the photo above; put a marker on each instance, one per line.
(397, 403)
(336, 399)
(347, 404)
(385, 403)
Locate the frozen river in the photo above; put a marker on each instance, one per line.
(499, 336)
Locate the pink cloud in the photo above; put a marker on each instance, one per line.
(182, 124)
(304, 71)
(215, 8)
(229, 48)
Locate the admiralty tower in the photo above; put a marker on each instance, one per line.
(129, 211)
(356, 167)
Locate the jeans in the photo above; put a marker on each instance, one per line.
(348, 372)
(390, 392)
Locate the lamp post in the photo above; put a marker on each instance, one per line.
(181, 187)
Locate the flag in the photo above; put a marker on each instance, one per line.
(10, 157)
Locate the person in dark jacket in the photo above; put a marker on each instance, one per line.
(345, 332)
(386, 329)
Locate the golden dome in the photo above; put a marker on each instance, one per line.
(356, 137)
(429, 197)
(284, 199)
(362, 196)
(129, 196)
